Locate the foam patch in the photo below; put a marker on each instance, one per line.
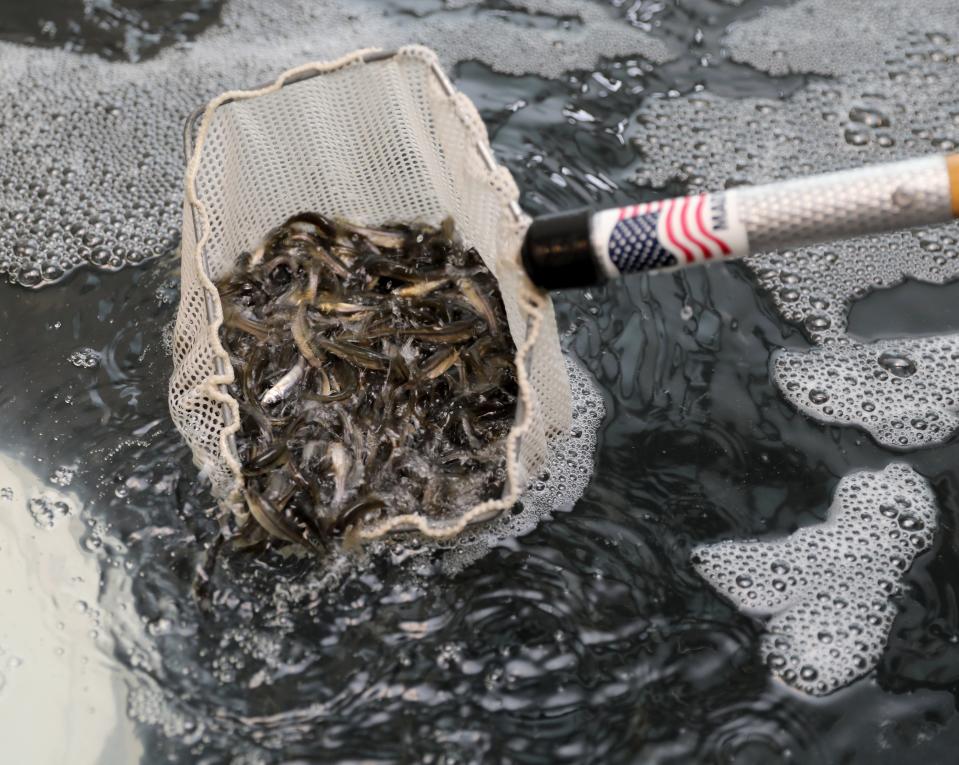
(829, 589)
(904, 392)
(831, 38)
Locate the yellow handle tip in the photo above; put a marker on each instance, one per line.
(952, 163)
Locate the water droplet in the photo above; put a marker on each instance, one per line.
(818, 396)
(789, 296)
(897, 364)
(818, 323)
(856, 137)
(29, 276)
(869, 117)
(911, 522)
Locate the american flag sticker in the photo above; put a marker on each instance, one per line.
(670, 232)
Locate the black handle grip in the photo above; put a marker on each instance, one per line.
(558, 254)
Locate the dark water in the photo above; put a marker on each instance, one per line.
(128, 30)
(590, 639)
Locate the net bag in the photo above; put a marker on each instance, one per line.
(372, 138)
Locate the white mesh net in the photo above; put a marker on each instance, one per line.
(371, 138)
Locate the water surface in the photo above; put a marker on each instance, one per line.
(590, 639)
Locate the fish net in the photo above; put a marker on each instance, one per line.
(371, 138)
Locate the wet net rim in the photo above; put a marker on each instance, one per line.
(533, 302)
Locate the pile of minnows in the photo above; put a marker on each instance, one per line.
(374, 374)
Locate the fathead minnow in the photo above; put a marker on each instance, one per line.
(271, 519)
(382, 238)
(357, 354)
(374, 375)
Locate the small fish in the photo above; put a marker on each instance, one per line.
(323, 256)
(357, 354)
(374, 377)
(235, 318)
(270, 458)
(337, 306)
(344, 253)
(420, 289)
(284, 386)
(312, 222)
(355, 513)
(340, 461)
(382, 238)
(301, 336)
(259, 417)
(451, 333)
(437, 364)
(312, 284)
(482, 305)
(325, 388)
(271, 519)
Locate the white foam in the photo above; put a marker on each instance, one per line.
(829, 588)
(904, 392)
(85, 358)
(91, 163)
(831, 38)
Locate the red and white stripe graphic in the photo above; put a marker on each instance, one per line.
(685, 228)
(693, 229)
